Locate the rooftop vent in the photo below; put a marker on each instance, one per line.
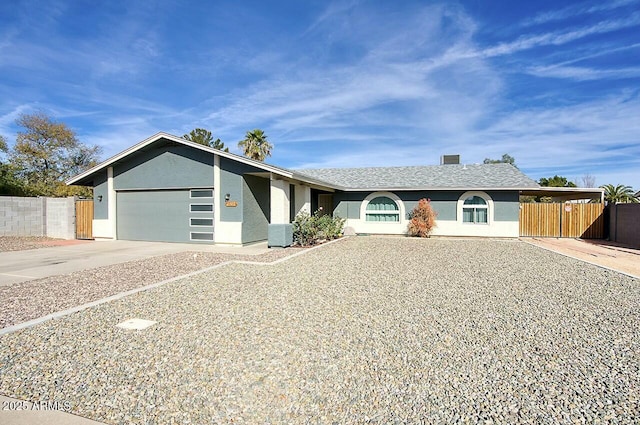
(449, 159)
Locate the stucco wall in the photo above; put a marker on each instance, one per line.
(163, 167)
(100, 188)
(444, 203)
(504, 213)
(255, 196)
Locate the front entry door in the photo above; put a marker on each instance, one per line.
(325, 201)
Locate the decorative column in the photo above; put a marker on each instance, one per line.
(279, 201)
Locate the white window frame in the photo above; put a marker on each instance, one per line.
(461, 207)
(200, 197)
(390, 195)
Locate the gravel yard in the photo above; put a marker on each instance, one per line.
(21, 243)
(28, 300)
(366, 330)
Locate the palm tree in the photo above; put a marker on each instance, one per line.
(619, 194)
(204, 137)
(255, 145)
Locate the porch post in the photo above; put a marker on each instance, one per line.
(302, 199)
(279, 201)
(112, 199)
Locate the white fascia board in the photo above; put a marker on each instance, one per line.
(162, 135)
(319, 184)
(428, 188)
(564, 189)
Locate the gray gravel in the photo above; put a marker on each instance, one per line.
(28, 300)
(366, 330)
(21, 243)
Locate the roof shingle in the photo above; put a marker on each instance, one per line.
(457, 176)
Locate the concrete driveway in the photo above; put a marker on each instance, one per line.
(20, 266)
(603, 253)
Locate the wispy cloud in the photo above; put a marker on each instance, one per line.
(405, 71)
(560, 37)
(333, 10)
(590, 133)
(584, 74)
(574, 10)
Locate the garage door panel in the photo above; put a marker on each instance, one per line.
(156, 216)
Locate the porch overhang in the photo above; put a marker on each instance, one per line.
(565, 193)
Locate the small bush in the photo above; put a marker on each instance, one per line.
(305, 229)
(330, 227)
(311, 229)
(423, 219)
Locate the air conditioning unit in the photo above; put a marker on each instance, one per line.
(449, 159)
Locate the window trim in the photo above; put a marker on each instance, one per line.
(395, 198)
(461, 207)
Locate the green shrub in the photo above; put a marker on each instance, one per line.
(330, 227)
(423, 219)
(305, 229)
(311, 229)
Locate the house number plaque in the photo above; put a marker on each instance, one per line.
(231, 203)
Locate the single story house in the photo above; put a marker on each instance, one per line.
(166, 188)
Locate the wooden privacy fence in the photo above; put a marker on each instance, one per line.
(562, 220)
(84, 219)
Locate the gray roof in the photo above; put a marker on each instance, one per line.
(458, 176)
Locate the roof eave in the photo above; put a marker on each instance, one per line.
(432, 188)
(317, 182)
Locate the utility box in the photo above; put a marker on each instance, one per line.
(280, 235)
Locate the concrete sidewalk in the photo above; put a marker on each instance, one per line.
(20, 266)
(596, 251)
(20, 412)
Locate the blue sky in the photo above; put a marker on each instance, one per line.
(346, 83)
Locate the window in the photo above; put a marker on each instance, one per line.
(201, 222)
(475, 210)
(382, 208)
(197, 236)
(201, 193)
(201, 207)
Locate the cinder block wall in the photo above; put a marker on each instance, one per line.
(22, 216)
(60, 218)
(52, 217)
(624, 224)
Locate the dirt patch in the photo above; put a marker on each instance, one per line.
(600, 252)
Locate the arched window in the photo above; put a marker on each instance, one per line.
(475, 210)
(382, 208)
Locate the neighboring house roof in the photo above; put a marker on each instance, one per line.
(452, 176)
